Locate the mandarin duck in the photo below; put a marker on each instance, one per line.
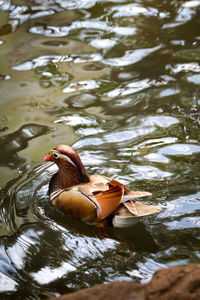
(95, 199)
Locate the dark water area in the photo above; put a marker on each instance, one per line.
(120, 82)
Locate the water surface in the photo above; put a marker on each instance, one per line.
(118, 80)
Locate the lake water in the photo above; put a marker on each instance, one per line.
(120, 82)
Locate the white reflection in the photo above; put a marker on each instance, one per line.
(132, 10)
(138, 85)
(76, 120)
(126, 135)
(148, 173)
(27, 132)
(81, 85)
(186, 67)
(148, 268)
(130, 88)
(48, 274)
(158, 142)
(130, 57)
(93, 159)
(194, 79)
(180, 149)
(37, 62)
(80, 4)
(156, 157)
(18, 252)
(51, 31)
(7, 284)
(80, 58)
(188, 222)
(178, 42)
(88, 131)
(191, 4)
(168, 92)
(88, 141)
(156, 121)
(102, 43)
(185, 14)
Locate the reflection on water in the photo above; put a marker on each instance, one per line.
(120, 82)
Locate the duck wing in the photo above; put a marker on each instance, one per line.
(138, 209)
(109, 200)
(106, 194)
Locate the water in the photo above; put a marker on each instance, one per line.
(118, 80)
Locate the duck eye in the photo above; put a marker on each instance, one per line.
(55, 155)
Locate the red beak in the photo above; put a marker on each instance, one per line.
(48, 158)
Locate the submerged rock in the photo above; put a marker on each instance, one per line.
(175, 283)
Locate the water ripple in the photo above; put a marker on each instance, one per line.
(120, 82)
(55, 31)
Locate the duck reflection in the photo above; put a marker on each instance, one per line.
(136, 237)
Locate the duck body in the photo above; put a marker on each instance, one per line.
(95, 199)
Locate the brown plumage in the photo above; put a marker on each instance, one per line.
(95, 199)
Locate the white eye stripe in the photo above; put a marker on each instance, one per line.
(62, 156)
(69, 160)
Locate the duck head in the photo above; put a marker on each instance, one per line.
(71, 169)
